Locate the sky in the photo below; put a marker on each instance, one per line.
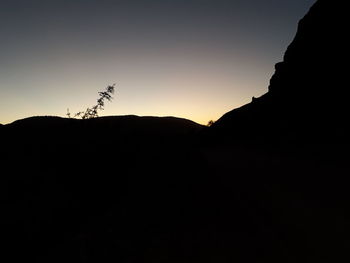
(195, 59)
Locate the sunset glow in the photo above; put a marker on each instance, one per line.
(189, 59)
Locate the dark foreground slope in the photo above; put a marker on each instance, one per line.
(268, 183)
(295, 143)
(102, 190)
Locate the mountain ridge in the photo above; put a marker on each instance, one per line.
(124, 124)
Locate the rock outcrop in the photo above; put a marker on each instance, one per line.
(306, 98)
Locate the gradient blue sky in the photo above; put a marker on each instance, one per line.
(195, 59)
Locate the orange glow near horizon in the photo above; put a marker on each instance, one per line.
(186, 59)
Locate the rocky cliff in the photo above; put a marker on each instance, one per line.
(306, 98)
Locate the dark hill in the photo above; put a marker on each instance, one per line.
(129, 126)
(130, 122)
(307, 98)
(113, 130)
(122, 179)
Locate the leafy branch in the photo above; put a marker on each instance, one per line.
(92, 112)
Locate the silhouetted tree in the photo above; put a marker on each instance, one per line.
(92, 112)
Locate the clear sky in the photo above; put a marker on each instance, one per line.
(195, 59)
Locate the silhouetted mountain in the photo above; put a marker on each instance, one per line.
(64, 177)
(129, 126)
(307, 94)
(267, 183)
